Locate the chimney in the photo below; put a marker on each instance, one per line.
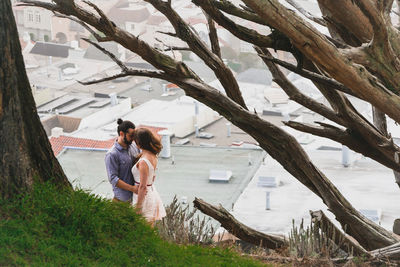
(228, 129)
(268, 201)
(114, 99)
(166, 143)
(345, 156)
(196, 130)
(164, 90)
(196, 108)
(285, 115)
(57, 132)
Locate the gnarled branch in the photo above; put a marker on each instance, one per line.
(238, 229)
(308, 15)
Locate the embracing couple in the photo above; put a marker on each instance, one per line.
(131, 163)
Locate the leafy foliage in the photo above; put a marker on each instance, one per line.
(49, 227)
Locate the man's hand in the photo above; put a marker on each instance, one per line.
(135, 189)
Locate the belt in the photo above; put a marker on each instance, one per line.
(147, 185)
(117, 200)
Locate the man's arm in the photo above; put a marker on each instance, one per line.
(121, 184)
(112, 172)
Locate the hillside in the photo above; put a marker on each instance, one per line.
(53, 227)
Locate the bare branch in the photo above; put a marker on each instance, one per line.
(109, 54)
(103, 16)
(331, 132)
(185, 33)
(391, 252)
(177, 48)
(238, 229)
(168, 33)
(320, 21)
(308, 74)
(293, 92)
(131, 72)
(212, 33)
(385, 6)
(231, 9)
(87, 27)
(378, 23)
(35, 3)
(239, 31)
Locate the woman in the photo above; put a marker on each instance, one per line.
(148, 204)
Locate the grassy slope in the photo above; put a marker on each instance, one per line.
(49, 227)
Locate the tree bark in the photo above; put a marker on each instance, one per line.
(25, 151)
(340, 239)
(238, 229)
(391, 252)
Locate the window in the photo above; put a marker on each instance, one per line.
(30, 16)
(37, 17)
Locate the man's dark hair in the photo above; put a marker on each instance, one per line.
(124, 125)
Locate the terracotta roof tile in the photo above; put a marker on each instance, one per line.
(58, 143)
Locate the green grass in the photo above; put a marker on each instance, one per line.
(49, 227)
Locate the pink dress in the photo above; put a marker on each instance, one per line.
(152, 208)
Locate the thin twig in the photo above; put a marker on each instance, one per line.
(109, 54)
(87, 27)
(309, 74)
(131, 72)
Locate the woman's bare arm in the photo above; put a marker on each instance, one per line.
(143, 172)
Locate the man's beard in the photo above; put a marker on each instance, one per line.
(126, 141)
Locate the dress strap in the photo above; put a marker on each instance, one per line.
(147, 161)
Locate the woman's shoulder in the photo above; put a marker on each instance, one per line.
(151, 162)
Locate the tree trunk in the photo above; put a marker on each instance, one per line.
(26, 154)
(238, 229)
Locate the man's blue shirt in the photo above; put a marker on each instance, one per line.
(119, 162)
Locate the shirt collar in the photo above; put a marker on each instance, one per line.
(118, 146)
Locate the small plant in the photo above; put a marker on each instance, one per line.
(183, 226)
(312, 242)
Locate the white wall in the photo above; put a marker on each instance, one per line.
(106, 114)
(45, 18)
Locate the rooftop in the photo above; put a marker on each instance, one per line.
(187, 177)
(256, 76)
(139, 94)
(365, 183)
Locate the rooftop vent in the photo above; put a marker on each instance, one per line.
(267, 181)
(57, 132)
(113, 99)
(220, 176)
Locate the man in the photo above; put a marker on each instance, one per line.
(119, 162)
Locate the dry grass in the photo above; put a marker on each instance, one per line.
(183, 226)
(308, 246)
